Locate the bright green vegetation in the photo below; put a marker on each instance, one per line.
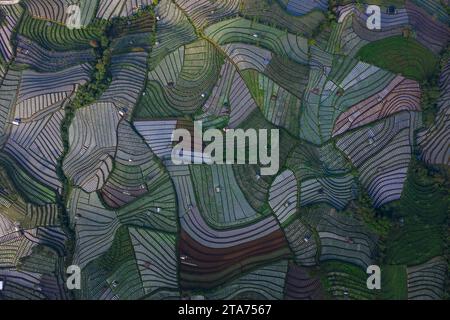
(257, 121)
(15, 208)
(424, 198)
(253, 84)
(154, 104)
(270, 38)
(116, 268)
(29, 188)
(400, 55)
(53, 36)
(160, 194)
(88, 93)
(423, 209)
(415, 244)
(345, 281)
(363, 208)
(278, 105)
(288, 74)
(394, 282)
(190, 85)
(120, 250)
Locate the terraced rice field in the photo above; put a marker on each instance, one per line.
(346, 281)
(415, 245)
(244, 30)
(242, 248)
(119, 8)
(302, 286)
(87, 121)
(92, 137)
(400, 55)
(57, 10)
(434, 141)
(265, 283)
(220, 197)
(383, 181)
(54, 36)
(426, 282)
(183, 79)
(297, 16)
